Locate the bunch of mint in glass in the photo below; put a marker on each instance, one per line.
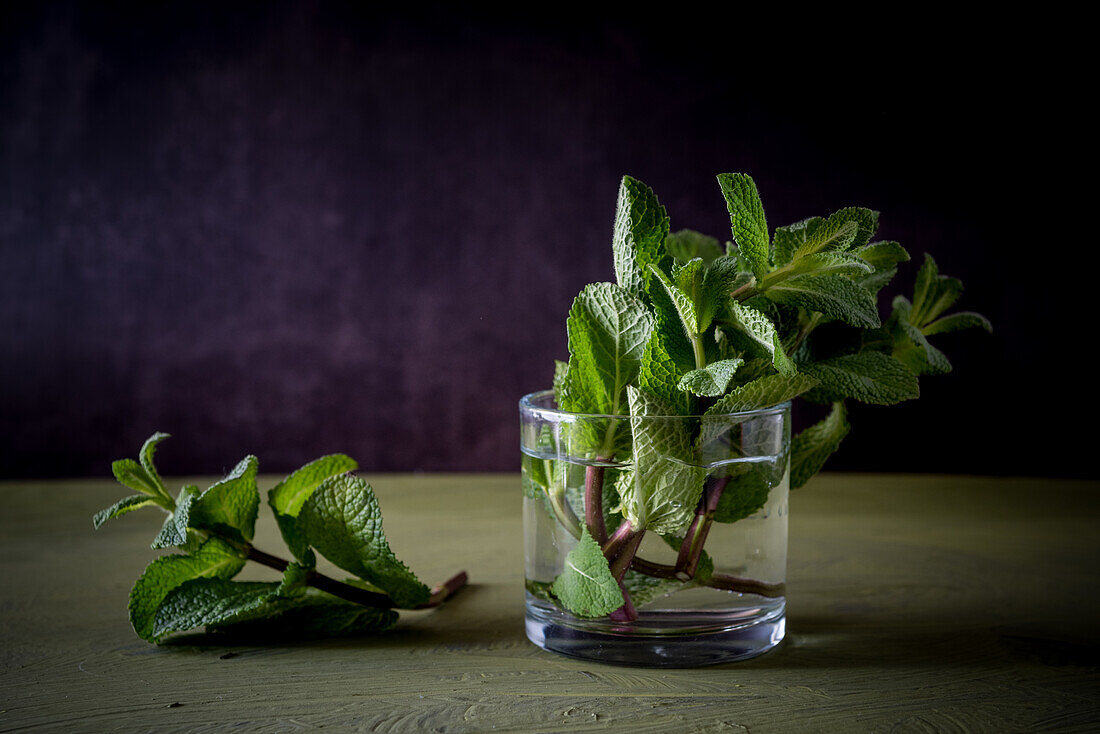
(692, 328)
(321, 507)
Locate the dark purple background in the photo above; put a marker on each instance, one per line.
(293, 229)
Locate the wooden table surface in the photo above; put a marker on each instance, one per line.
(916, 603)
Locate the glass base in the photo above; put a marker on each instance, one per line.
(660, 638)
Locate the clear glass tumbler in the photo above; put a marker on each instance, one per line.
(704, 583)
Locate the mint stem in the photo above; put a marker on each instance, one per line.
(691, 549)
(627, 612)
(614, 544)
(351, 593)
(593, 502)
(716, 581)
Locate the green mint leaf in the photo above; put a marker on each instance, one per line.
(711, 381)
(832, 234)
(814, 445)
(750, 226)
(837, 263)
(687, 244)
(957, 322)
(685, 306)
(174, 530)
(561, 369)
(585, 586)
(666, 486)
(913, 350)
(131, 474)
(214, 558)
(933, 294)
(660, 375)
(230, 506)
(870, 377)
(641, 225)
(343, 521)
(743, 496)
(608, 330)
(128, 504)
(148, 449)
(789, 239)
(287, 497)
(835, 296)
(763, 392)
(882, 255)
(312, 617)
(762, 333)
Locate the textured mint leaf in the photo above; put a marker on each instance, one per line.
(721, 278)
(814, 445)
(870, 377)
(674, 338)
(882, 255)
(762, 332)
(666, 486)
(687, 244)
(312, 618)
(131, 474)
(660, 375)
(608, 330)
(214, 558)
(689, 279)
(148, 449)
(127, 504)
(933, 294)
(343, 521)
(289, 495)
(712, 380)
(957, 322)
(750, 226)
(585, 586)
(685, 306)
(641, 225)
(834, 296)
(230, 506)
(832, 234)
(912, 349)
(790, 238)
(743, 496)
(763, 392)
(174, 530)
(865, 219)
(560, 371)
(838, 263)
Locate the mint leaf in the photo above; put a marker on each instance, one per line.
(343, 521)
(666, 486)
(641, 225)
(712, 380)
(763, 392)
(687, 244)
(814, 445)
(790, 238)
(750, 227)
(174, 530)
(230, 506)
(685, 305)
(833, 295)
(131, 474)
(287, 497)
(660, 375)
(934, 293)
(128, 504)
(585, 586)
(148, 449)
(560, 371)
(882, 255)
(743, 496)
(762, 332)
(870, 377)
(608, 330)
(838, 263)
(832, 234)
(214, 558)
(957, 322)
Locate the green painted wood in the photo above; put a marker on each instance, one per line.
(917, 603)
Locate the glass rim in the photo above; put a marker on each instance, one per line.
(525, 403)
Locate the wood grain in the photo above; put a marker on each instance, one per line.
(916, 603)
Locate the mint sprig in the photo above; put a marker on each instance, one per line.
(320, 507)
(691, 330)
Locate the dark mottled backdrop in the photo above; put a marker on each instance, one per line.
(293, 229)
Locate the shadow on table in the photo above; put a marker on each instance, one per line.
(869, 640)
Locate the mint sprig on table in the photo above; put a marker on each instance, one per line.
(692, 328)
(321, 507)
